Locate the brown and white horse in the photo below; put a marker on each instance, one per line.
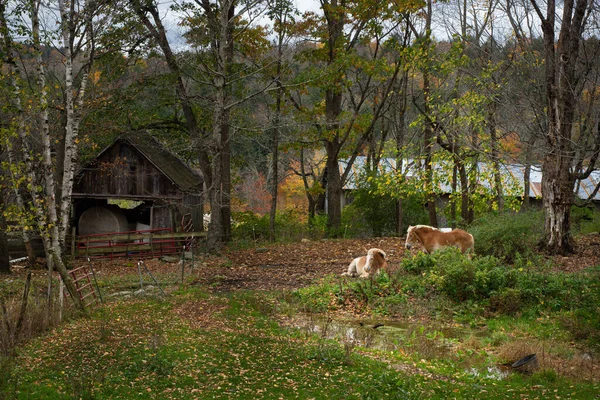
(430, 239)
(373, 262)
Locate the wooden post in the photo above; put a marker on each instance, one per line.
(73, 239)
(61, 299)
(23, 308)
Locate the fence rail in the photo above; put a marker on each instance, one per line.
(136, 244)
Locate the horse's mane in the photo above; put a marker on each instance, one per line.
(379, 257)
(375, 250)
(424, 226)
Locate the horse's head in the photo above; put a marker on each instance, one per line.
(411, 238)
(376, 259)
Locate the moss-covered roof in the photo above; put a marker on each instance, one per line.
(181, 174)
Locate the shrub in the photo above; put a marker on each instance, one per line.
(418, 264)
(414, 212)
(375, 211)
(460, 278)
(584, 220)
(507, 235)
(583, 324)
(318, 299)
(248, 226)
(354, 224)
(506, 301)
(317, 226)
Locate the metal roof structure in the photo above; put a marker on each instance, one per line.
(512, 174)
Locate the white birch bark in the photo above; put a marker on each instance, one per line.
(73, 108)
(52, 243)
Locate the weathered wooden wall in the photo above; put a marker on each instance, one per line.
(123, 172)
(193, 205)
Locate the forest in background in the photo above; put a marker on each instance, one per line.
(256, 93)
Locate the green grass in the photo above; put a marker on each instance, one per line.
(194, 346)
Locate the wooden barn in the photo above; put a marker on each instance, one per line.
(137, 184)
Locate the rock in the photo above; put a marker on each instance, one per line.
(124, 293)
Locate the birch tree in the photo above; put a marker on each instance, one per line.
(51, 178)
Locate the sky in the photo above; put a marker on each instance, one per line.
(308, 5)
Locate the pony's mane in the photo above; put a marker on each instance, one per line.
(381, 260)
(376, 250)
(422, 226)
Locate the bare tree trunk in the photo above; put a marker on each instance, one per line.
(16, 100)
(276, 128)
(4, 258)
(334, 190)
(495, 157)
(428, 137)
(399, 116)
(562, 94)
(73, 107)
(557, 189)
(219, 194)
(275, 162)
(527, 172)
(47, 209)
(454, 192)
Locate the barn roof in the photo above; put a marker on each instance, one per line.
(171, 166)
(181, 174)
(511, 174)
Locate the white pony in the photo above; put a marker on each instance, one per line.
(364, 266)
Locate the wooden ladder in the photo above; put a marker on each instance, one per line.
(86, 285)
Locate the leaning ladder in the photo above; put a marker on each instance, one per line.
(84, 279)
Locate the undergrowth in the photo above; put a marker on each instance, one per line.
(467, 289)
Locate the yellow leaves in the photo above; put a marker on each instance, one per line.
(96, 76)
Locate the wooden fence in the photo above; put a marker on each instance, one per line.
(151, 243)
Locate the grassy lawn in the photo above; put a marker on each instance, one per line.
(193, 345)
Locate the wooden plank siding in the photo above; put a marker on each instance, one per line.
(123, 172)
(138, 167)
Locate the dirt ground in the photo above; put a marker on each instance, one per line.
(290, 266)
(293, 265)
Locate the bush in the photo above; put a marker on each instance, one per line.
(248, 226)
(418, 264)
(462, 278)
(414, 212)
(459, 277)
(506, 301)
(377, 212)
(374, 214)
(504, 289)
(507, 235)
(585, 220)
